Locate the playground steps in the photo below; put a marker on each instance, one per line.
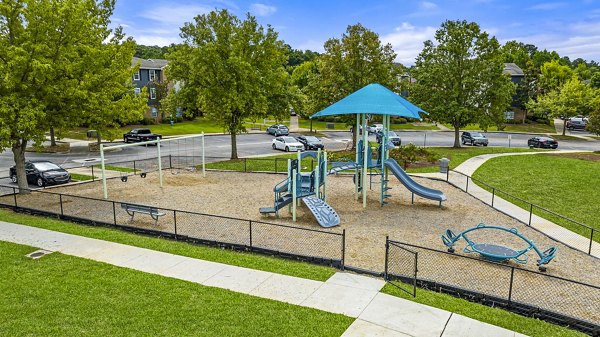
(279, 204)
(326, 216)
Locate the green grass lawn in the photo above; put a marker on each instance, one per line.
(196, 126)
(81, 177)
(458, 156)
(61, 295)
(241, 259)
(276, 163)
(494, 316)
(499, 317)
(561, 183)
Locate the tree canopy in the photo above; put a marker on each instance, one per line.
(460, 78)
(234, 67)
(58, 71)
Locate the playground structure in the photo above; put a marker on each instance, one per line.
(498, 253)
(375, 99)
(157, 142)
(307, 186)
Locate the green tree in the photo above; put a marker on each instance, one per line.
(515, 52)
(348, 64)
(594, 120)
(554, 75)
(571, 99)
(460, 78)
(235, 67)
(56, 69)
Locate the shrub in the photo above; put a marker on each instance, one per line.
(147, 121)
(411, 153)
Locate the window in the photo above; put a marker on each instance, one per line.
(136, 76)
(154, 112)
(152, 73)
(152, 93)
(137, 91)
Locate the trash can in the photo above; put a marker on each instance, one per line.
(92, 134)
(329, 126)
(444, 163)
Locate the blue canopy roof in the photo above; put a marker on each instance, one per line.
(372, 99)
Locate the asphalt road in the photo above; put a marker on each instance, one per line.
(219, 146)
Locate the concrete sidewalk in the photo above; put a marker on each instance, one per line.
(551, 229)
(352, 295)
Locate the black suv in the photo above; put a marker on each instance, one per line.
(576, 124)
(473, 138)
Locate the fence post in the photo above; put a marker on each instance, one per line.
(467, 187)
(530, 213)
(170, 163)
(510, 288)
(448, 175)
(493, 195)
(15, 196)
(93, 173)
(114, 214)
(275, 165)
(591, 242)
(245, 165)
(343, 248)
(175, 223)
(312, 164)
(61, 205)
(250, 229)
(387, 253)
(415, 277)
(134, 170)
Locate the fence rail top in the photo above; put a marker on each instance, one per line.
(396, 243)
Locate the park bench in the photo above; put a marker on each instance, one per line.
(131, 209)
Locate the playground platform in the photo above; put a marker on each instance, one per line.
(376, 314)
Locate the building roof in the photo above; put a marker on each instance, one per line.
(149, 63)
(513, 69)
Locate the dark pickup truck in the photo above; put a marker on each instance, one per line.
(140, 135)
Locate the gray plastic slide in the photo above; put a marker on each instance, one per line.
(325, 215)
(412, 185)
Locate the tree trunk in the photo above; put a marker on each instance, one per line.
(234, 154)
(524, 115)
(52, 138)
(18, 149)
(354, 131)
(564, 126)
(456, 137)
(98, 139)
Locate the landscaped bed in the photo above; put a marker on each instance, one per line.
(240, 195)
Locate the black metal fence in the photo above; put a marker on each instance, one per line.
(401, 265)
(580, 236)
(307, 244)
(530, 293)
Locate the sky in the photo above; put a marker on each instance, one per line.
(572, 28)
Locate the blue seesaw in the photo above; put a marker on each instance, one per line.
(498, 253)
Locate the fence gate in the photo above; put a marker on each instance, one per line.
(401, 267)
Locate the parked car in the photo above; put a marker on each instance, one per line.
(576, 124)
(140, 135)
(393, 137)
(542, 142)
(287, 144)
(310, 142)
(278, 130)
(473, 138)
(42, 173)
(375, 128)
